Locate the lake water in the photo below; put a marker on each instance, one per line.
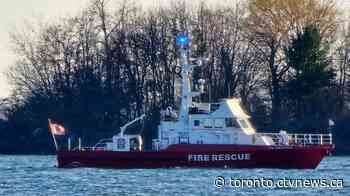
(37, 175)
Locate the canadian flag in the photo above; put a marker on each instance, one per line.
(57, 129)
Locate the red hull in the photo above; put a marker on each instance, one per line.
(202, 155)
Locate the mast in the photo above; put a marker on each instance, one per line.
(185, 84)
(186, 93)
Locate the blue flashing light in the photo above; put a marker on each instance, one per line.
(182, 40)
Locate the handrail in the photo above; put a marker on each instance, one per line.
(90, 148)
(100, 145)
(103, 141)
(301, 139)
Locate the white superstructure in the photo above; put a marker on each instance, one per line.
(205, 123)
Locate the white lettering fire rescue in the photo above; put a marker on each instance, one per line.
(219, 157)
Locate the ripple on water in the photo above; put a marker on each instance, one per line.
(37, 175)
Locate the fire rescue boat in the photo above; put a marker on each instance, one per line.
(202, 135)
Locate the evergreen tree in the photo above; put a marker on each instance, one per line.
(307, 56)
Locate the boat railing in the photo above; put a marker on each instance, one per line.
(300, 139)
(99, 146)
(102, 144)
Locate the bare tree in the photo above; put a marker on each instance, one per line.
(342, 65)
(271, 24)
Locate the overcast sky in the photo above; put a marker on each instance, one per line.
(14, 12)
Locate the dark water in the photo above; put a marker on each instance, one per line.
(36, 175)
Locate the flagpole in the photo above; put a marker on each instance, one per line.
(53, 136)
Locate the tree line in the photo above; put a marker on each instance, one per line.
(287, 60)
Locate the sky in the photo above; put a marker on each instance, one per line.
(13, 13)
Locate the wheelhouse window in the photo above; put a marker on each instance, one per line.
(243, 123)
(214, 107)
(196, 123)
(231, 122)
(208, 123)
(219, 123)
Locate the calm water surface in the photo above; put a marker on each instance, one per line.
(37, 175)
